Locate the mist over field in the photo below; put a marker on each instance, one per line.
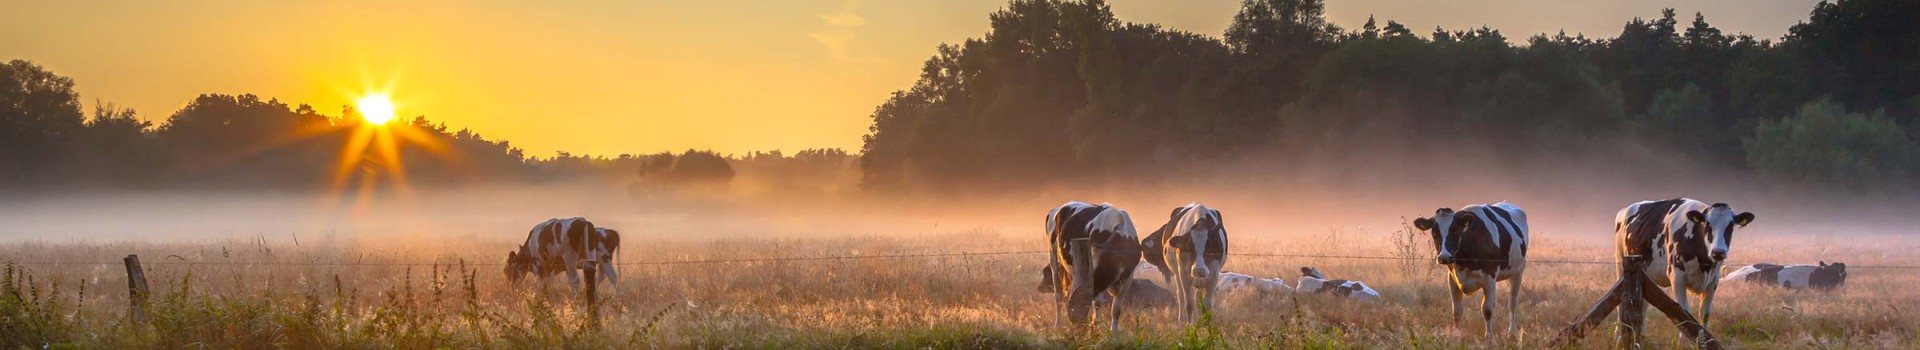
(270, 223)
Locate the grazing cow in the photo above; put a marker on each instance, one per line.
(1232, 281)
(1481, 245)
(1190, 249)
(564, 246)
(1313, 281)
(1821, 276)
(1106, 266)
(1687, 242)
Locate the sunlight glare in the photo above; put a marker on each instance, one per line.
(376, 109)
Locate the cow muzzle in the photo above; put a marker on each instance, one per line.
(1719, 255)
(1445, 259)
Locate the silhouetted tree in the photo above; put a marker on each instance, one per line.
(38, 109)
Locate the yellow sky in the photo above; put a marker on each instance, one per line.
(609, 77)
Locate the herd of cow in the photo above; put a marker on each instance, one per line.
(1095, 253)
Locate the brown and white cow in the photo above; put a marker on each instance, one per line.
(565, 246)
(1481, 245)
(1685, 242)
(1106, 266)
(1190, 250)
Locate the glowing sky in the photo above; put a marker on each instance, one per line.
(609, 77)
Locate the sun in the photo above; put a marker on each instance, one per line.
(376, 108)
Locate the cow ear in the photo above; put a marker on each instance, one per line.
(1743, 219)
(1423, 224)
(1823, 263)
(1696, 217)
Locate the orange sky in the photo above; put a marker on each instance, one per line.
(609, 77)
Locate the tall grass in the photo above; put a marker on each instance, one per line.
(262, 297)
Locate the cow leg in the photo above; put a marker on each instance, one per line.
(1513, 306)
(1487, 297)
(1706, 302)
(573, 273)
(1680, 291)
(1119, 297)
(1680, 294)
(1453, 288)
(1183, 289)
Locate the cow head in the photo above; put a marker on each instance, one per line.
(1204, 241)
(1717, 224)
(1047, 283)
(1828, 276)
(518, 266)
(1309, 271)
(1443, 227)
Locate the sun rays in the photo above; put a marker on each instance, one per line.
(372, 159)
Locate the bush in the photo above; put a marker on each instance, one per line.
(1823, 145)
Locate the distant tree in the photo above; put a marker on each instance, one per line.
(1824, 145)
(701, 169)
(1864, 53)
(37, 110)
(243, 140)
(1644, 59)
(114, 149)
(1685, 118)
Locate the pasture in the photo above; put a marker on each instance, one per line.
(333, 292)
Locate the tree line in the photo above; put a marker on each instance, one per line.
(1063, 90)
(49, 143)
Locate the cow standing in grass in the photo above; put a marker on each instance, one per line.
(1112, 252)
(1190, 251)
(565, 246)
(1481, 245)
(1690, 247)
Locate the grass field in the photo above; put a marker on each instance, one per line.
(254, 294)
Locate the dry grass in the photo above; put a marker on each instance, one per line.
(250, 299)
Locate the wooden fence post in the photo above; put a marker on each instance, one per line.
(136, 288)
(1631, 296)
(1633, 305)
(593, 298)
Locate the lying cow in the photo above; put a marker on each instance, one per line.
(1821, 276)
(565, 246)
(1313, 281)
(1234, 281)
(1190, 249)
(1143, 294)
(1106, 266)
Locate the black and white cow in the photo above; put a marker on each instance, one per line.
(1823, 276)
(1312, 281)
(1688, 249)
(1235, 281)
(1106, 267)
(1481, 245)
(565, 246)
(1190, 249)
